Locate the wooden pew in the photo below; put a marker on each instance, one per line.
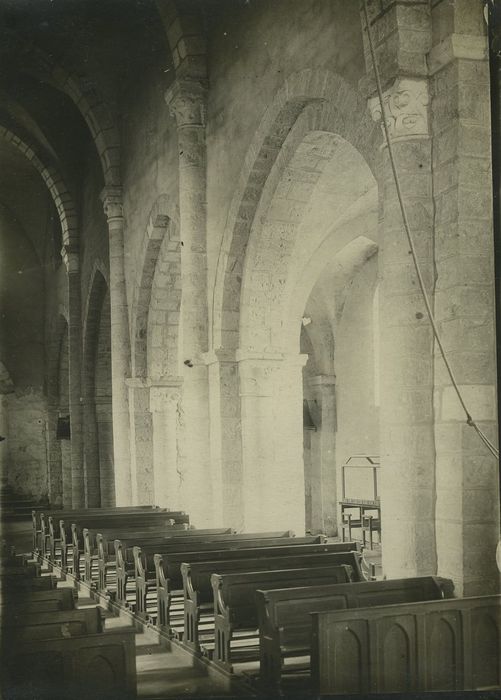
(40, 520)
(284, 617)
(89, 666)
(102, 561)
(441, 645)
(72, 531)
(143, 579)
(145, 568)
(24, 583)
(129, 571)
(169, 580)
(21, 627)
(89, 557)
(38, 601)
(236, 625)
(197, 587)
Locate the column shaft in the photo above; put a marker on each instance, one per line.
(186, 99)
(120, 346)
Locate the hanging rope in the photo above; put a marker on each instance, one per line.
(469, 420)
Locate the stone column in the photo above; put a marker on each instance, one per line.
(271, 394)
(225, 437)
(467, 474)
(141, 447)
(402, 35)
(120, 345)
(70, 257)
(324, 481)
(164, 405)
(187, 102)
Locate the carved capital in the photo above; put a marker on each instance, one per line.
(164, 398)
(71, 258)
(187, 100)
(111, 198)
(405, 108)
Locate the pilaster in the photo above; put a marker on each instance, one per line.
(323, 445)
(71, 259)
(272, 440)
(467, 506)
(141, 443)
(225, 436)
(402, 35)
(164, 406)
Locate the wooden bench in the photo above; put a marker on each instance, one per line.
(38, 601)
(103, 562)
(146, 602)
(441, 645)
(132, 569)
(89, 666)
(198, 592)
(71, 531)
(169, 580)
(284, 617)
(236, 638)
(22, 627)
(89, 557)
(40, 520)
(142, 580)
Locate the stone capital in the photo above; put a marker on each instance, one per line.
(405, 109)
(219, 355)
(71, 258)
(187, 101)
(164, 398)
(111, 198)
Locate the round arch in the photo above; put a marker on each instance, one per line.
(308, 101)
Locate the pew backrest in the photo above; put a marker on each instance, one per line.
(234, 593)
(144, 556)
(289, 609)
(197, 575)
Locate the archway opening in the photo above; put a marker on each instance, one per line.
(307, 299)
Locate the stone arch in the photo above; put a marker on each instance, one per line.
(155, 338)
(91, 105)
(300, 181)
(157, 295)
(96, 385)
(61, 195)
(308, 101)
(185, 34)
(318, 197)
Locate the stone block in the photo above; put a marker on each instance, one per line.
(481, 506)
(480, 399)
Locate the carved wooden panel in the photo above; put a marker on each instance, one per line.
(451, 644)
